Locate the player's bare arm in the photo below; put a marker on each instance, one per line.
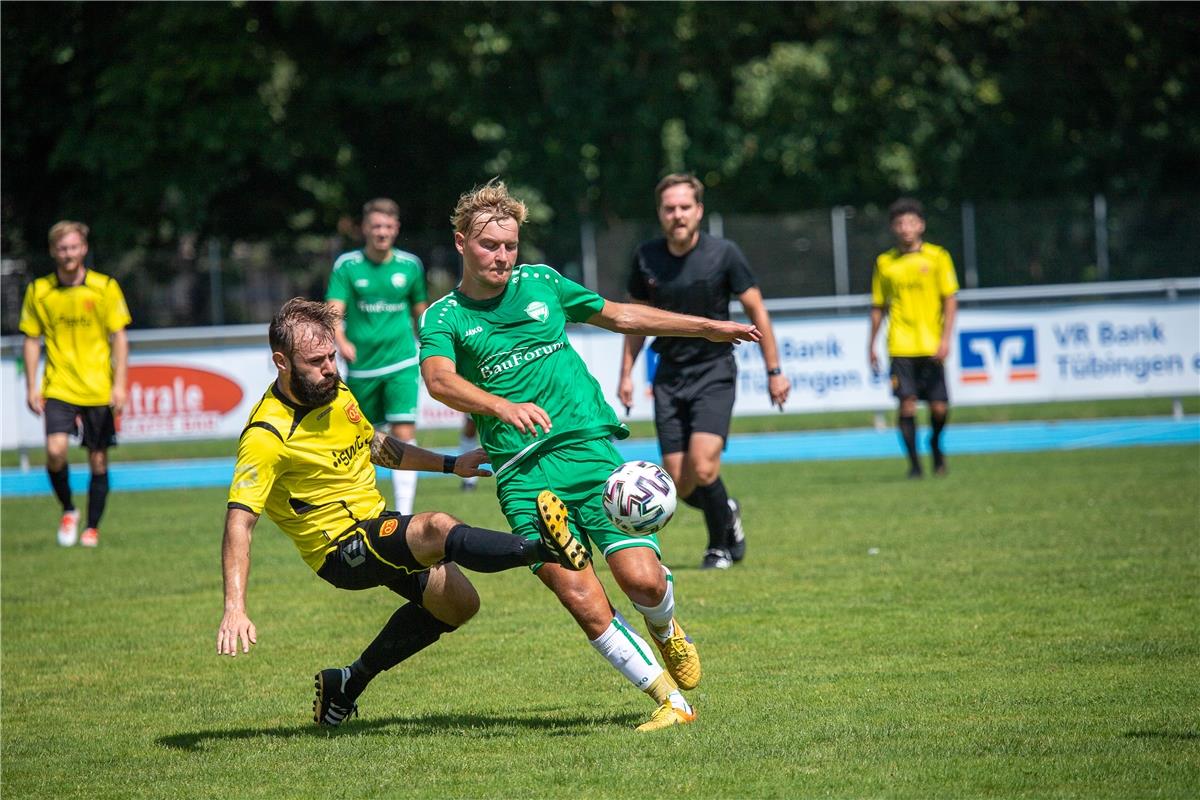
(120, 356)
(778, 384)
(32, 351)
(646, 320)
(388, 451)
(448, 387)
(236, 626)
(877, 313)
(629, 353)
(949, 312)
(344, 345)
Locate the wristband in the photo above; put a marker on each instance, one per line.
(771, 373)
(448, 463)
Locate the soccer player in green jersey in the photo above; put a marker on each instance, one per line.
(305, 457)
(496, 347)
(81, 314)
(380, 292)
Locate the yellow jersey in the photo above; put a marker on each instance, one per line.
(309, 469)
(76, 323)
(913, 287)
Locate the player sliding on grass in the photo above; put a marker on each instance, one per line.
(306, 458)
(496, 347)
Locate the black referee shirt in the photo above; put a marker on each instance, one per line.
(700, 283)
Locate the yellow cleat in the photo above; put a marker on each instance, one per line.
(667, 715)
(569, 552)
(680, 657)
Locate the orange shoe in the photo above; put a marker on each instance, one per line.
(89, 538)
(68, 528)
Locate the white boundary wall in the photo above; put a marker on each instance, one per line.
(1012, 355)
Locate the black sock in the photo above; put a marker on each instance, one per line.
(481, 550)
(97, 497)
(410, 630)
(908, 429)
(61, 483)
(937, 422)
(713, 500)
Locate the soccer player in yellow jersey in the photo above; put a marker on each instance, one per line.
(914, 284)
(81, 315)
(305, 457)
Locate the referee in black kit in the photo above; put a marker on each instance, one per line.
(693, 273)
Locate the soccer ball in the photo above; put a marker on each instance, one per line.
(639, 497)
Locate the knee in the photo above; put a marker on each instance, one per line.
(908, 407)
(431, 528)
(465, 606)
(55, 461)
(707, 471)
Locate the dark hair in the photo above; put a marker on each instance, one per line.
(295, 314)
(906, 205)
(675, 179)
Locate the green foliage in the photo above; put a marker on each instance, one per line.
(1022, 628)
(163, 121)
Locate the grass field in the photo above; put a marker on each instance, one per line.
(1026, 627)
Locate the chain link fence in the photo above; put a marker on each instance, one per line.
(813, 253)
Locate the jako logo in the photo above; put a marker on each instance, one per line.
(1009, 354)
(168, 390)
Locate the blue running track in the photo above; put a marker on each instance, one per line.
(743, 449)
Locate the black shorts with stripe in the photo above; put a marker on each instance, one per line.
(376, 553)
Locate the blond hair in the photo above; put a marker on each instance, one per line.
(491, 202)
(60, 229)
(675, 179)
(381, 205)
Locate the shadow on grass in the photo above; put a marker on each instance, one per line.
(1183, 736)
(482, 726)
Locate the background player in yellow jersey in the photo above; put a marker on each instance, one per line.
(81, 315)
(914, 284)
(305, 457)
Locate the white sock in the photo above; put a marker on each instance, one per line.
(404, 487)
(628, 652)
(466, 443)
(659, 617)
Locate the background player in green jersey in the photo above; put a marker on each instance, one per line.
(81, 314)
(305, 457)
(497, 348)
(380, 291)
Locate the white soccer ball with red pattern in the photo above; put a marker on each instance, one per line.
(639, 497)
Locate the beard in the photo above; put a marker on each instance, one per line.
(312, 394)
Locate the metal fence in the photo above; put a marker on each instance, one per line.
(818, 253)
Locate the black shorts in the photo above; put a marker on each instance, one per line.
(696, 398)
(922, 377)
(99, 425)
(376, 553)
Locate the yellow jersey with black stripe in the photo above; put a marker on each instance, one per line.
(309, 469)
(913, 287)
(76, 323)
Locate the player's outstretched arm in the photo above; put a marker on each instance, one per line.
(388, 451)
(235, 565)
(446, 386)
(633, 318)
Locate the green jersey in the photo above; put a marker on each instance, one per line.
(515, 346)
(379, 300)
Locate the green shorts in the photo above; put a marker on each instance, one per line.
(576, 472)
(388, 398)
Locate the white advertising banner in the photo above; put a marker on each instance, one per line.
(1014, 355)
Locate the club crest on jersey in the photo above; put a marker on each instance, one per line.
(388, 527)
(352, 412)
(399, 280)
(537, 310)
